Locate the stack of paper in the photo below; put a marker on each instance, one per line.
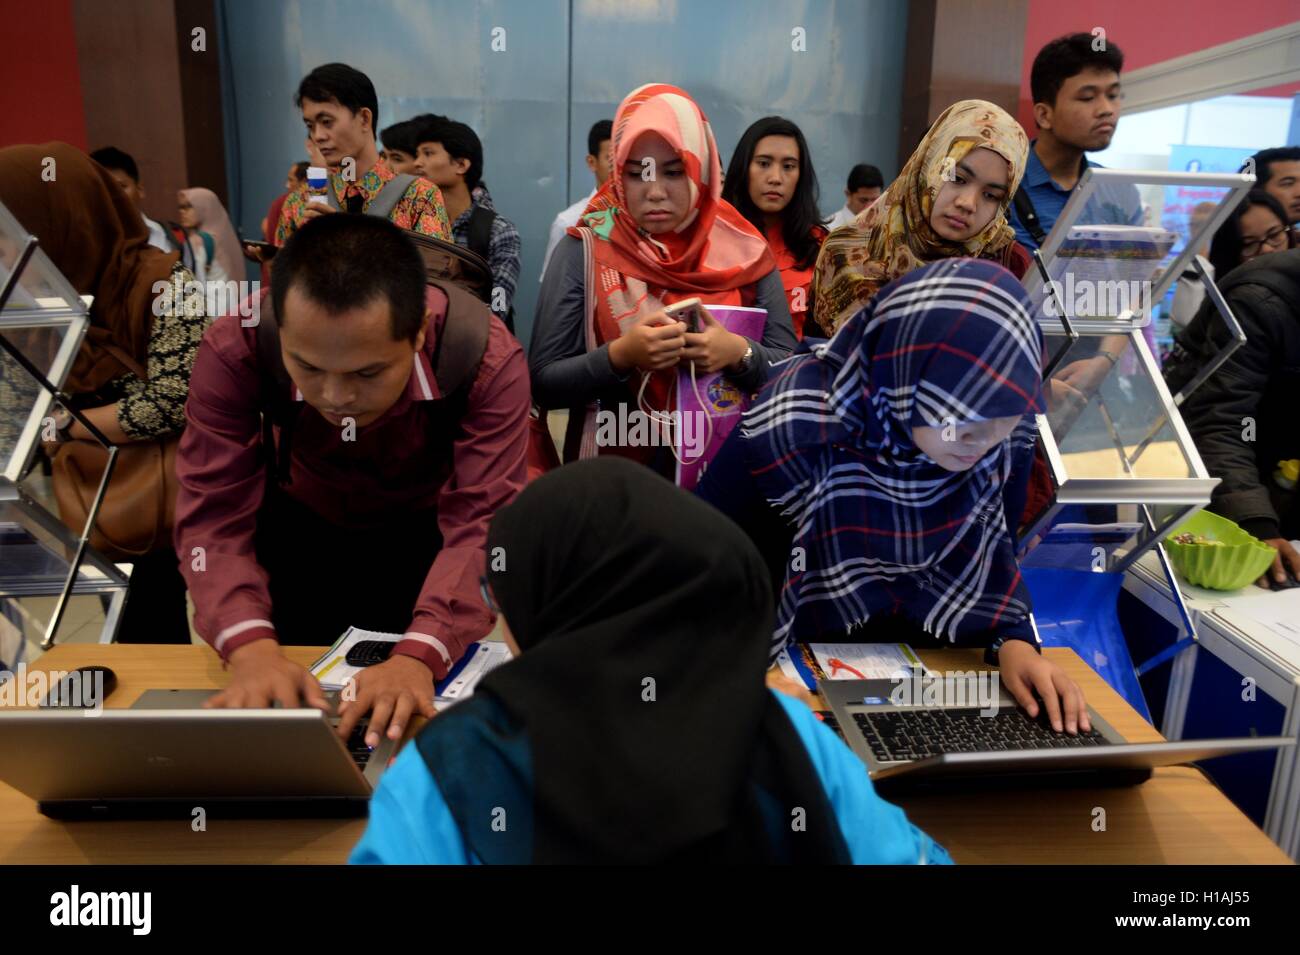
(849, 661)
(334, 672)
(1278, 610)
(866, 661)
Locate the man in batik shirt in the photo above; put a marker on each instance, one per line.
(341, 112)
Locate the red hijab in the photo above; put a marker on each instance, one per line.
(714, 253)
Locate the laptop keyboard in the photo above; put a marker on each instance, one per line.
(915, 734)
(356, 744)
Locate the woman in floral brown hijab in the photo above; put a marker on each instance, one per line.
(949, 200)
(131, 375)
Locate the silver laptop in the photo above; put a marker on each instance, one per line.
(165, 757)
(958, 742)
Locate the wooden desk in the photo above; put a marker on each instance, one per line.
(1176, 817)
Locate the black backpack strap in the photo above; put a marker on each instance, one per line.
(1028, 216)
(275, 389)
(384, 201)
(480, 242)
(479, 231)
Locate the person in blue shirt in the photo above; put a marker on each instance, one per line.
(1076, 90)
(634, 725)
(1075, 85)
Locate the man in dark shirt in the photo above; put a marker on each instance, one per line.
(1243, 417)
(376, 514)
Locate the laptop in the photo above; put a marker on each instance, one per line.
(920, 746)
(164, 757)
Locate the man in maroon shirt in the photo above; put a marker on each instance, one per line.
(376, 514)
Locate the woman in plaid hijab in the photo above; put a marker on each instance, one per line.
(894, 454)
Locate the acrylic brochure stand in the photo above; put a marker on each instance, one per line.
(1123, 467)
(42, 322)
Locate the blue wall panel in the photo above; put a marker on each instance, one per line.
(735, 57)
(566, 63)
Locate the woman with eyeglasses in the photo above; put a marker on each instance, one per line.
(1256, 227)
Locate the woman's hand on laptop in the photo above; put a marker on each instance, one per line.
(390, 691)
(776, 680)
(1025, 671)
(262, 676)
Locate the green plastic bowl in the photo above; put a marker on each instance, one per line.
(1240, 561)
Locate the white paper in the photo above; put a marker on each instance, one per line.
(866, 661)
(790, 671)
(1278, 610)
(489, 656)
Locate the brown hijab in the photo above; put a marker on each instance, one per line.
(893, 235)
(98, 240)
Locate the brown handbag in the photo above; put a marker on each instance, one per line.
(139, 505)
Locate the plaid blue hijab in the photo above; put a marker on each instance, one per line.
(879, 526)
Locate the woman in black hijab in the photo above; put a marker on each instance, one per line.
(634, 725)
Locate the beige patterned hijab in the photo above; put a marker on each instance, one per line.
(893, 236)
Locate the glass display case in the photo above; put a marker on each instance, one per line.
(1116, 448)
(1121, 462)
(1123, 239)
(42, 323)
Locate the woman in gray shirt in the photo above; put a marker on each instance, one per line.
(659, 232)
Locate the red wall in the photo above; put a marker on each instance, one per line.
(40, 84)
(1150, 31)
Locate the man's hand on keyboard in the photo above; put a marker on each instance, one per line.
(261, 676)
(390, 691)
(1025, 671)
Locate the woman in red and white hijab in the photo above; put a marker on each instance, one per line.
(656, 233)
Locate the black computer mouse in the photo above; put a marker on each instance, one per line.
(82, 688)
(1285, 584)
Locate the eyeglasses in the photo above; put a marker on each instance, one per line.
(486, 594)
(1275, 239)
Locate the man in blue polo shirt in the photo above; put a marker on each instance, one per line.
(1075, 85)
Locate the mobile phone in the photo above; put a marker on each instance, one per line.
(266, 248)
(369, 652)
(687, 310)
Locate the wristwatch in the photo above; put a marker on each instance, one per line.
(62, 422)
(746, 360)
